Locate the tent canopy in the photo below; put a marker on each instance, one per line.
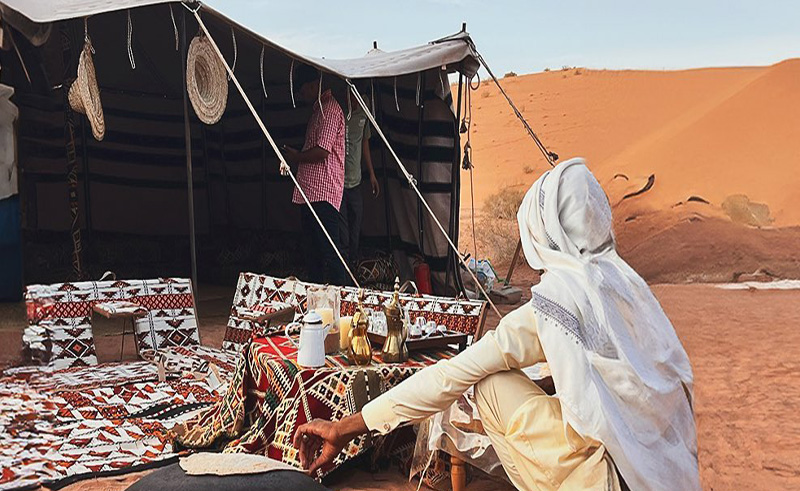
(132, 186)
(445, 52)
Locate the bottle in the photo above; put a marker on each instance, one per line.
(394, 348)
(360, 347)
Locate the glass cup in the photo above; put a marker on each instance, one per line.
(345, 325)
(430, 328)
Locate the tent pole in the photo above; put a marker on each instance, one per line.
(207, 174)
(226, 191)
(420, 119)
(264, 200)
(387, 202)
(456, 179)
(188, 140)
(87, 196)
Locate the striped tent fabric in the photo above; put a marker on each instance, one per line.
(132, 186)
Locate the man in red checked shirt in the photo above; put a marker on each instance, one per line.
(320, 173)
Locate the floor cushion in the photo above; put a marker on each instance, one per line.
(173, 478)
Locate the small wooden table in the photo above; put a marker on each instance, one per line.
(259, 318)
(126, 316)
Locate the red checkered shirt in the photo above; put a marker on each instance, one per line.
(324, 181)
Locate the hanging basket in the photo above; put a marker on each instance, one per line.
(206, 80)
(84, 95)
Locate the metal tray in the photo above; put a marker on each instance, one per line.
(435, 341)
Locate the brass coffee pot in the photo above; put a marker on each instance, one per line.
(394, 348)
(360, 348)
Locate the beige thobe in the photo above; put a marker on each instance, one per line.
(537, 450)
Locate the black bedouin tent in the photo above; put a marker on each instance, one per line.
(142, 201)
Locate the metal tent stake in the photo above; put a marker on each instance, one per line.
(513, 263)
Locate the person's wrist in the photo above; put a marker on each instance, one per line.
(351, 427)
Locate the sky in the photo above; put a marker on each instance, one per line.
(529, 36)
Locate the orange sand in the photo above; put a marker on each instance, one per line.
(710, 133)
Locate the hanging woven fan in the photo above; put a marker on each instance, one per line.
(206, 80)
(84, 95)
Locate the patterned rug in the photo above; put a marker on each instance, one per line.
(60, 426)
(270, 396)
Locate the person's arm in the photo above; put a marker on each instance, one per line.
(314, 155)
(320, 142)
(514, 345)
(367, 156)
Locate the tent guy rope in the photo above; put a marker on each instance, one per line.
(413, 183)
(285, 169)
(174, 26)
(130, 41)
(466, 127)
(551, 157)
(261, 68)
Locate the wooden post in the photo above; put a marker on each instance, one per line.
(455, 209)
(420, 179)
(188, 141)
(458, 474)
(513, 263)
(387, 203)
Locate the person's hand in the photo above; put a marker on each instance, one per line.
(290, 154)
(319, 436)
(376, 188)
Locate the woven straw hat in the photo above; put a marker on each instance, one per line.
(84, 95)
(206, 80)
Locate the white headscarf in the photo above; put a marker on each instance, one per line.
(621, 374)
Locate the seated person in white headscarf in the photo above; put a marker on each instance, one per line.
(623, 381)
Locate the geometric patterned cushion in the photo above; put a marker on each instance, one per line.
(259, 291)
(72, 343)
(252, 290)
(171, 319)
(461, 315)
(163, 328)
(63, 312)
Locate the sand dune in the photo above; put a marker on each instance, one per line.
(708, 134)
(748, 143)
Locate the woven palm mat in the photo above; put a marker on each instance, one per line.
(84, 422)
(270, 396)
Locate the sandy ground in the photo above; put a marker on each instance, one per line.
(743, 347)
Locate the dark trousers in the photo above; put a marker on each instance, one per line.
(323, 263)
(10, 250)
(350, 216)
